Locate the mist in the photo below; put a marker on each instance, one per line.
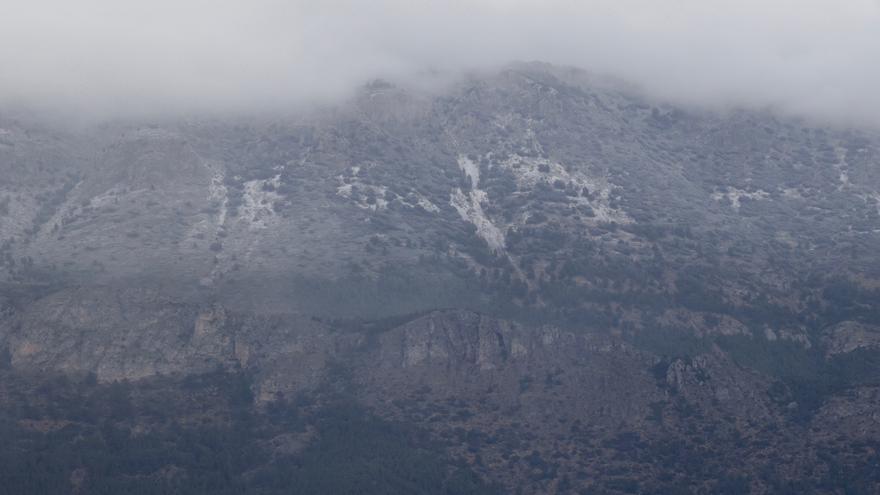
(813, 58)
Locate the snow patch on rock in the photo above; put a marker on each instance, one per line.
(790, 193)
(107, 198)
(470, 206)
(734, 195)
(218, 192)
(595, 192)
(257, 202)
(377, 197)
(470, 209)
(365, 196)
(427, 204)
(471, 169)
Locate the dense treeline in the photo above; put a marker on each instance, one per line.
(202, 435)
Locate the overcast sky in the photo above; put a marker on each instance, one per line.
(820, 58)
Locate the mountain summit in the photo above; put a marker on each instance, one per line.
(542, 278)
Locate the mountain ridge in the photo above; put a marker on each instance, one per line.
(565, 286)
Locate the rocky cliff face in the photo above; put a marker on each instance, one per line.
(532, 406)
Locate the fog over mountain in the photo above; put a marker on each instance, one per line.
(811, 57)
(473, 247)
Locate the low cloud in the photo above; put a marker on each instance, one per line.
(816, 58)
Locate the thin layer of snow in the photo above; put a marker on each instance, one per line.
(379, 198)
(844, 179)
(350, 187)
(360, 199)
(107, 198)
(256, 208)
(344, 190)
(791, 193)
(217, 191)
(426, 204)
(469, 207)
(471, 169)
(528, 173)
(734, 195)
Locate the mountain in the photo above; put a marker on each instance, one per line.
(534, 279)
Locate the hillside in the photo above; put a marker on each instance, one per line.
(534, 278)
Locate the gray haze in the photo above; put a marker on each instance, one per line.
(817, 58)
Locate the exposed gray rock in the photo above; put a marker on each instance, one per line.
(849, 336)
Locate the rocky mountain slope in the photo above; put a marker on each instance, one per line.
(539, 278)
